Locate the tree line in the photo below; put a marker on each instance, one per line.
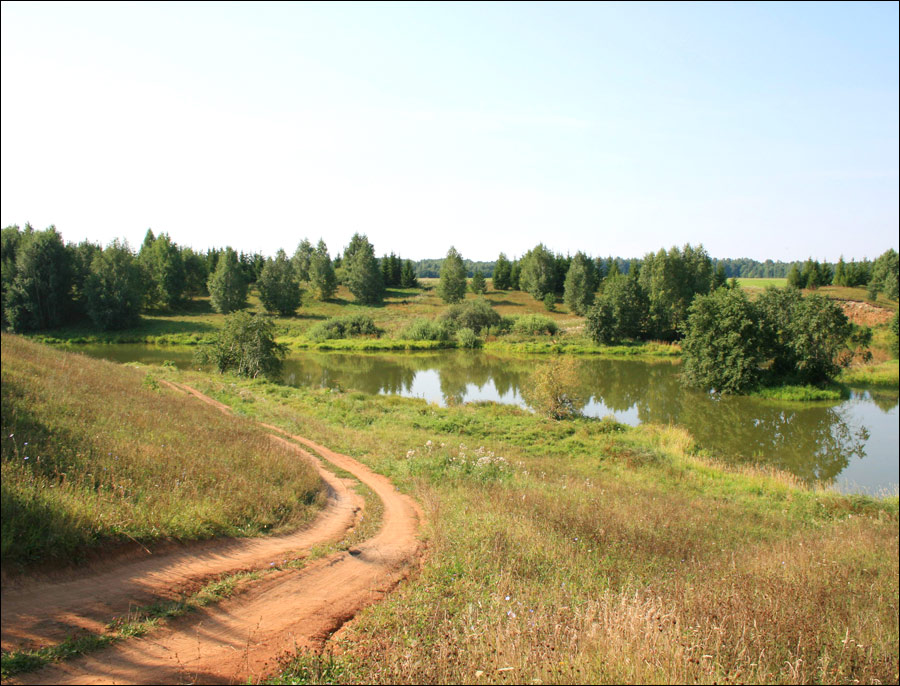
(848, 274)
(47, 283)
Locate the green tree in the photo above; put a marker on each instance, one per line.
(321, 273)
(452, 286)
(804, 337)
(114, 288)
(227, 284)
(161, 260)
(278, 288)
(619, 313)
(408, 275)
(840, 273)
(515, 276)
(502, 274)
(478, 285)
(538, 276)
(819, 332)
(722, 342)
(39, 295)
(302, 259)
(246, 345)
(362, 273)
(671, 280)
(11, 239)
(581, 284)
(795, 277)
(895, 335)
(196, 273)
(884, 278)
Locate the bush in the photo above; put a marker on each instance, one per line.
(246, 345)
(535, 325)
(466, 338)
(474, 314)
(344, 327)
(555, 389)
(423, 329)
(504, 326)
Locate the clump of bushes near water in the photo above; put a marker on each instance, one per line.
(344, 327)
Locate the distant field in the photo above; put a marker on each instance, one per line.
(761, 283)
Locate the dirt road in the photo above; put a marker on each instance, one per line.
(239, 638)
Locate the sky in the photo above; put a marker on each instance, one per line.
(757, 130)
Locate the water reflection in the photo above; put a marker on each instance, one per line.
(817, 441)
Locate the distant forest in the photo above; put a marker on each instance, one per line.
(740, 267)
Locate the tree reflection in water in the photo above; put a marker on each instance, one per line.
(815, 442)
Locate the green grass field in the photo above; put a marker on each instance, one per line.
(754, 284)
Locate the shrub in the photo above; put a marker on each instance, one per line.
(467, 338)
(474, 314)
(535, 325)
(555, 389)
(246, 345)
(422, 329)
(504, 326)
(344, 327)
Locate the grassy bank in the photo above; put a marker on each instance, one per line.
(884, 375)
(95, 453)
(588, 551)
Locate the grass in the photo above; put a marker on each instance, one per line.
(96, 454)
(883, 375)
(597, 552)
(751, 284)
(807, 393)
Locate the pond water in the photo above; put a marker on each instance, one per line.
(851, 444)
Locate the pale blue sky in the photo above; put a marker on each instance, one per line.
(760, 130)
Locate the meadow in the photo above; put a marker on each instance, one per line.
(584, 550)
(98, 455)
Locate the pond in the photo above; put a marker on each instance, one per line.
(852, 444)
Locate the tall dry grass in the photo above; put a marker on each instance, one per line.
(599, 553)
(94, 453)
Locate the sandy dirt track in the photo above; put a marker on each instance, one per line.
(238, 639)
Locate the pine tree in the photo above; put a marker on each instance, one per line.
(478, 285)
(278, 288)
(364, 277)
(452, 286)
(321, 273)
(301, 259)
(408, 275)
